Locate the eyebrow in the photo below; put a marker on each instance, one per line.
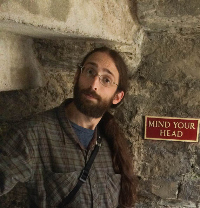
(104, 69)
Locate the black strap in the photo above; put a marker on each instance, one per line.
(83, 176)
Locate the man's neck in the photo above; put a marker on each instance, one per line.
(79, 118)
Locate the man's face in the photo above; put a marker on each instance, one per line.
(91, 97)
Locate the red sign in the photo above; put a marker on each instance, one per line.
(172, 129)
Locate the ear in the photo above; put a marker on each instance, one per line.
(118, 97)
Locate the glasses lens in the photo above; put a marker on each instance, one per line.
(106, 81)
(90, 72)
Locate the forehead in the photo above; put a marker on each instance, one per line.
(104, 62)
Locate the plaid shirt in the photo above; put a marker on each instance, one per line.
(46, 155)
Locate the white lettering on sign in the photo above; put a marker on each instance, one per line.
(181, 125)
(171, 133)
(164, 124)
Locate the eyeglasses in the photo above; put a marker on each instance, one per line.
(90, 73)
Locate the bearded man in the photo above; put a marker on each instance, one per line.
(75, 155)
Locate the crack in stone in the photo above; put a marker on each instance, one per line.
(179, 188)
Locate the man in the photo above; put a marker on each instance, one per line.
(49, 151)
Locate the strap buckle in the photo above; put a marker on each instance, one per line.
(83, 176)
(98, 141)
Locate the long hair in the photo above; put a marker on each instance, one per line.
(122, 161)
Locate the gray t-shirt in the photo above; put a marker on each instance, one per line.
(84, 135)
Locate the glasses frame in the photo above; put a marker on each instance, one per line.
(113, 83)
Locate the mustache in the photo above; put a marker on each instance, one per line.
(91, 92)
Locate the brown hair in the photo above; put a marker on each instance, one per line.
(120, 65)
(121, 157)
(122, 161)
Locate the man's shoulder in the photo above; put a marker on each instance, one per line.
(37, 120)
(43, 120)
(44, 116)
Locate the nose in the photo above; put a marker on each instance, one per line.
(95, 83)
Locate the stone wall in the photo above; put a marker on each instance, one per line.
(165, 84)
(164, 80)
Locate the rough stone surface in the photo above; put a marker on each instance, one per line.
(19, 67)
(174, 16)
(164, 80)
(164, 85)
(70, 18)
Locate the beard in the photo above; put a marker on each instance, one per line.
(88, 107)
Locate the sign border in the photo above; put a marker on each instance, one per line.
(191, 141)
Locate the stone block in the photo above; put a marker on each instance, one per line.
(165, 189)
(109, 20)
(190, 190)
(19, 66)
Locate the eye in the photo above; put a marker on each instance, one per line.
(106, 80)
(90, 71)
